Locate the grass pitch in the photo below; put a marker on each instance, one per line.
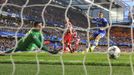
(96, 64)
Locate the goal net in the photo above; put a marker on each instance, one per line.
(18, 16)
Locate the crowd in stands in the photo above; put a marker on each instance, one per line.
(121, 32)
(54, 16)
(8, 21)
(122, 36)
(6, 43)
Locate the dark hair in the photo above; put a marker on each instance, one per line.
(36, 24)
(100, 12)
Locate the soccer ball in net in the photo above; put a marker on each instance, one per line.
(114, 52)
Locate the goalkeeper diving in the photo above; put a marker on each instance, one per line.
(32, 41)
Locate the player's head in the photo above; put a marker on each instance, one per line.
(38, 25)
(100, 15)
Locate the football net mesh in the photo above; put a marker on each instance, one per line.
(20, 27)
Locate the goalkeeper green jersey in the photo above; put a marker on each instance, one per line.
(33, 40)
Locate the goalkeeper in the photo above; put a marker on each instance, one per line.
(33, 40)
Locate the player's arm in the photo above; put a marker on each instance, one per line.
(68, 23)
(107, 26)
(39, 43)
(90, 17)
(105, 22)
(69, 26)
(104, 28)
(70, 30)
(93, 18)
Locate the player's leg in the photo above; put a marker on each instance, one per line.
(70, 46)
(65, 41)
(65, 48)
(92, 37)
(76, 44)
(67, 45)
(96, 41)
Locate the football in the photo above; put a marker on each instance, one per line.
(114, 52)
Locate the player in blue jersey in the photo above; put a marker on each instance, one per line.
(102, 25)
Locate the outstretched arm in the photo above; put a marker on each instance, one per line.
(39, 43)
(105, 22)
(69, 26)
